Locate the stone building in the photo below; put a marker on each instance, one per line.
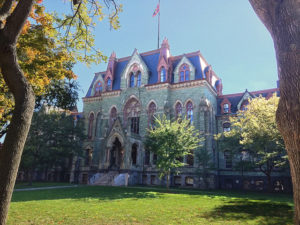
(120, 105)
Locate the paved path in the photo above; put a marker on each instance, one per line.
(45, 188)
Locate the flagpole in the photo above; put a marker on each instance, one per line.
(158, 25)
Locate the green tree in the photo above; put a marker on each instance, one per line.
(53, 139)
(205, 165)
(281, 18)
(73, 34)
(255, 129)
(171, 141)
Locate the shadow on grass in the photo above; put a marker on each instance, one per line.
(266, 213)
(85, 193)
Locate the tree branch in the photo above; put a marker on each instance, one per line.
(266, 11)
(4, 10)
(17, 19)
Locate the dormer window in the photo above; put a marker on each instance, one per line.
(244, 105)
(163, 74)
(131, 84)
(184, 73)
(108, 84)
(226, 108)
(98, 88)
(139, 79)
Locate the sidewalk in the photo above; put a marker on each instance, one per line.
(45, 188)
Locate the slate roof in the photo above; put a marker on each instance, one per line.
(151, 60)
(236, 98)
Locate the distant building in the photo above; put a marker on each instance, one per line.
(120, 105)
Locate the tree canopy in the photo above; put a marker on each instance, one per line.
(171, 141)
(254, 131)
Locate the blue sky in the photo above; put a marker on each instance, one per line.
(227, 32)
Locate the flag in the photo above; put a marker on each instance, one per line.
(156, 11)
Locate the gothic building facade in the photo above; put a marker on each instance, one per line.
(121, 102)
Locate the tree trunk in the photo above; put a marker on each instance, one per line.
(270, 186)
(282, 19)
(11, 152)
(168, 180)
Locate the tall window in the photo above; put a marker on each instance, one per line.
(113, 115)
(147, 157)
(135, 125)
(163, 74)
(151, 112)
(134, 154)
(184, 73)
(226, 127)
(139, 79)
(97, 124)
(91, 121)
(226, 108)
(98, 88)
(108, 84)
(178, 110)
(131, 114)
(131, 84)
(228, 159)
(190, 159)
(189, 110)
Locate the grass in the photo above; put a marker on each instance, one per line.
(23, 185)
(119, 205)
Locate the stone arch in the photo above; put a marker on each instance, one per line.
(113, 137)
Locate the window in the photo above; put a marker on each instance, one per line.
(151, 112)
(97, 124)
(226, 108)
(135, 124)
(163, 75)
(177, 180)
(189, 110)
(98, 88)
(178, 110)
(189, 181)
(147, 157)
(108, 84)
(184, 73)
(134, 154)
(113, 115)
(131, 84)
(88, 157)
(226, 127)
(91, 121)
(190, 159)
(244, 105)
(228, 160)
(154, 159)
(139, 79)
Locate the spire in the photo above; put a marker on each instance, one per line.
(111, 65)
(165, 49)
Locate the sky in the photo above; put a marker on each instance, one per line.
(228, 34)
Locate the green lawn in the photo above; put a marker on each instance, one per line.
(115, 205)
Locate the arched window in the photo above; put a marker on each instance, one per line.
(151, 112)
(178, 110)
(91, 121)
(131, 83)
(98, 88)
(134, 154)
(108, 84)
(184, 73)
(190, 159)
(163, 74)
(226, 127)
(113, 115)
(189, 111)
(97, 124)
(147, 157)
(131, 111)
(228, 159)
(139, 79)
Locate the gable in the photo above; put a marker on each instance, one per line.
(184, 60)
